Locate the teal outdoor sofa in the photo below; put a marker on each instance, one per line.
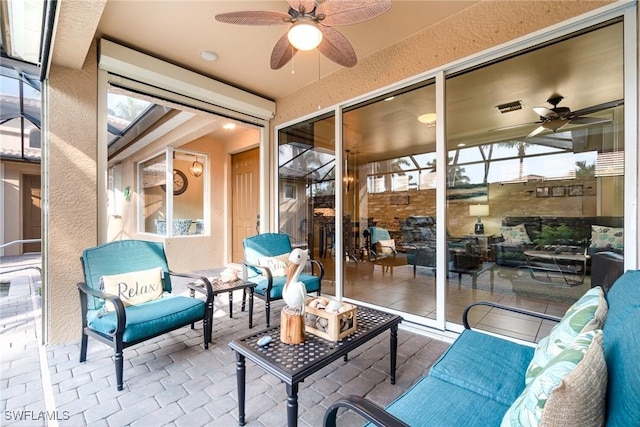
(481, 377)
(124, 325)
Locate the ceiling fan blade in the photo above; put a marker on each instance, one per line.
(545, 112)
(337, 48)
(282, 53)
(587, 120)
(348, 12)
(308, 5)
(254, 18)
(599, 107)
(538, 130)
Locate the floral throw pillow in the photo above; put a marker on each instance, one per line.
(607, 237)
(569, 391)
(586, 314)
(516, 235)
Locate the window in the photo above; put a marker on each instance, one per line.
(172, 191)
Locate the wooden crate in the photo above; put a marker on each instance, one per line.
(339, 325)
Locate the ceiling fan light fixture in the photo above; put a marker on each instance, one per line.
(304, 35)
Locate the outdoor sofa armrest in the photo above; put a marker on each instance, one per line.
(365, 408)
(536, 314)
(121, 315)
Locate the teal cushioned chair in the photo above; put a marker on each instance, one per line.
(269, 288)
(126, 326)
(375, 236)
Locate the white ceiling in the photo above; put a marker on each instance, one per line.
(586, 71)
(178, 31)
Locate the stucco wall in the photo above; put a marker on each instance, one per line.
(480, 27)
(70, 196)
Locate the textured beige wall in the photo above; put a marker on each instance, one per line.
(71, 199)
(480, 27)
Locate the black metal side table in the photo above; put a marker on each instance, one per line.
(218, 287)
(293, 363)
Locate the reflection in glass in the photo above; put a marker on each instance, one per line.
(306, 183)
(153, 198)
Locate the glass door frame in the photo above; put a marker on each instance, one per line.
(626, 10)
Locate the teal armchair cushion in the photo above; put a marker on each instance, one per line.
(150, 318)
(107, 259)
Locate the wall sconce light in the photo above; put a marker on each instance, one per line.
(196, 168)
(348, 178)
(479, 211)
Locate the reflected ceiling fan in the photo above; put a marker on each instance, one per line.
(311, 25)
(553, 119)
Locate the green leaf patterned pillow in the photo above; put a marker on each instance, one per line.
(586, 314)
(516, 235)
(607, 237)
(570, 390)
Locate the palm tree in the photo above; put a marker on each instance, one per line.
(584, 170)
(521, 146)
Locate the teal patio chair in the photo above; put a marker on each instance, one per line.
(106, 318)
(380, 244)
(269, 282)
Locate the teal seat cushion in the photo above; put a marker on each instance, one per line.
(433, 402)
(489, 366)
(311, 283)
(622, 351)
(151, 318)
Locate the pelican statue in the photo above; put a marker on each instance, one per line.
(294, 292)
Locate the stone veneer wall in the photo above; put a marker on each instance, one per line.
(388, 210)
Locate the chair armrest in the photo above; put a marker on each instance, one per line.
(365, 408)
(536, 314)
(121, 315)
(320, 268)
(206, 290)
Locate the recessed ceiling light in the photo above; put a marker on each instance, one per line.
(428, 118)
(207, 55)
(462, 144)
(389, 98)
(229, 126)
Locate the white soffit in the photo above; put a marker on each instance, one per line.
(143, 68)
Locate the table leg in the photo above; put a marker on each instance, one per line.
(394, 351)
(210, 314)
(230, 305)
(240, 379)
(292, 405)
(250, 308)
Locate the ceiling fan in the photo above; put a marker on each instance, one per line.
(312, 23)
(555, 118)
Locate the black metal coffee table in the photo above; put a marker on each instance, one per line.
(293, 363)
